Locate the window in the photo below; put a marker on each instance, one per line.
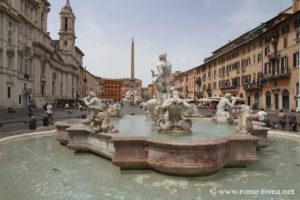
(20, 99)
(259, 58)
(267, 68)
(285, 30)
(8, 92)
(66, 23)
(66, 43)
(267, 51)
(268, 100)
(297, 24)
(296, 59)
(285, 42)
(284, 65)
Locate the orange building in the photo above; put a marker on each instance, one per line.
(112, 89)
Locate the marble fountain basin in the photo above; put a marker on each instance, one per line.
(209, 148)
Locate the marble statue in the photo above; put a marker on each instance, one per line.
(222, 115)
(114, 110)
(167, 108)
(244, 122)
(95, 106)
(99, 119)
(132, 97)
(102, 123)
(161, 81)
(172, 109)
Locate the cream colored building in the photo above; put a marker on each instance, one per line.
(91, 82)
(261, 66)
(32, 65)
(180, 83)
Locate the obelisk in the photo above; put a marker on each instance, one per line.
(132, 59)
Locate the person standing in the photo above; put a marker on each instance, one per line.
(282, 119)
(50, 113)
(292, 121)
(30, 109)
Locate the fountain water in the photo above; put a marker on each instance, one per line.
(171, 155)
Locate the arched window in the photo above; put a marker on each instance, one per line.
(285, 100)
(241, 95)
(268, 100)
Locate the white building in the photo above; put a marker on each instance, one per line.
(32, 65)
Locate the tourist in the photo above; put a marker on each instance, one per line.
(50, 113)
(292, 121)
(263, 116)
(282, 119)
(30, 109)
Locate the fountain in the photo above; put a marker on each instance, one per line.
(166, 146)
(179, 151)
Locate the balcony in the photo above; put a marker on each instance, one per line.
(276, 77)
(229, 89)
(273, 56)
(252, 87)
(198, 81)
(199, 94)
(26, 91)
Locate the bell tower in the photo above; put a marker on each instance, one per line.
(67, 29)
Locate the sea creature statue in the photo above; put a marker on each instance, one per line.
(99, 119)
(172, 109)
(102, 123)
(95, 106)
(114, 110)
(167, 108)
(131, 97)
(222, 115)
(244, 122)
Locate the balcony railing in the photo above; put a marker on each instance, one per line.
(252, 87)
(199, 94)
(229, 88)
(277, 76)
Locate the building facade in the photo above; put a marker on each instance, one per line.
(32, 65)
(151, 91)
(90, 83)
(261, 66)
(112, 89)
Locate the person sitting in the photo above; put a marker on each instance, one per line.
(282, 119)
(292, 121)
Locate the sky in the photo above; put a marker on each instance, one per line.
(187, 30)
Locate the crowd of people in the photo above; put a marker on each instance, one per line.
(285, 121)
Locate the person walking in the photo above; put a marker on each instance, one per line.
(292, 121)
(282, 119)
(30, 109)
